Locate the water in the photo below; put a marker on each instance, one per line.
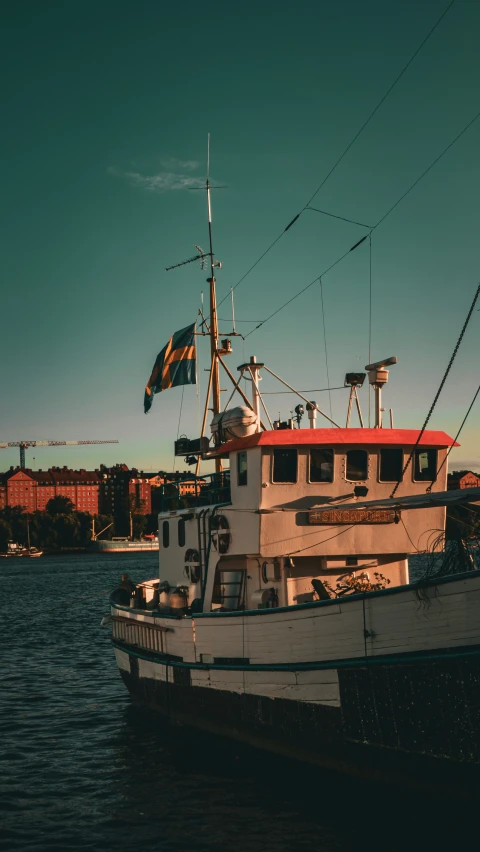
(82, 768)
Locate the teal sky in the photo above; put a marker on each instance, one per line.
(106, 110)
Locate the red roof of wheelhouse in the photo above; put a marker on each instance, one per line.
(336, 437)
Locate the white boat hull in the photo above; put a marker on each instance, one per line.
(384, 685)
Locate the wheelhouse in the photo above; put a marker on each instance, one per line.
(257, 534)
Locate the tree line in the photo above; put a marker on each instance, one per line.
(60, 526)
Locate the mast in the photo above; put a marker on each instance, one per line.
(215, 382)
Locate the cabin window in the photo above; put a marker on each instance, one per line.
(166, 533)
(357, 465)
(241, 468)
(181, 532)
(321, 465)
(425, 469)
(285, 465)
(391, 465)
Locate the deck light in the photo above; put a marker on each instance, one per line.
(355, 379)
(360, 491)
(299, 412)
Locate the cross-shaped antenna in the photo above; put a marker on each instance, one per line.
(200, 256)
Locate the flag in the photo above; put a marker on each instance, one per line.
(175, 365)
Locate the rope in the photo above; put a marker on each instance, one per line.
(409, 537)
(370, 325)
(454, 353)
(458, 433)
(380, 221)
(325, 346)
(178, 427)
(347, 149)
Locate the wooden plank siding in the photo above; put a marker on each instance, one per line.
(397, 623)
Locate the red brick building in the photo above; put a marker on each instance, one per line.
(123, 490)
(463, 479)
(33, 489)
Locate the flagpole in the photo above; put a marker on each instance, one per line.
(215, 377)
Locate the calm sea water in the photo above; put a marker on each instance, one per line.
(82, 768)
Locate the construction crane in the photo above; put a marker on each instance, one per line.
(24, 444)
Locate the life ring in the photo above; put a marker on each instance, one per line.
(192, 565)
(220, 532)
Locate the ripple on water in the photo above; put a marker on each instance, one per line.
(82, 768)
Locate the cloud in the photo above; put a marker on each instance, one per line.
(172, 164)
(462, 464)
(173, 177)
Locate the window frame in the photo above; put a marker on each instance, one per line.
(414, 466)
(320, 481)
(242, 453)
(379, 463)
(288, 450)
(357, 450)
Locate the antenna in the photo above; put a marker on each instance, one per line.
(208, 157)
(207, 259)
(378, 377)
(233, 312)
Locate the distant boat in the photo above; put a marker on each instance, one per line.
(15, 550)
(124, 545)
(121, 544)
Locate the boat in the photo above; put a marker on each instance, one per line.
(124, 545)
(283, 614)
(121, 544)
(15, 550)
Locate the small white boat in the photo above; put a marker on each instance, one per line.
(14, 550)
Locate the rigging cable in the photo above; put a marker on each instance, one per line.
(370, 324)
(325, 344)
(339, 160)
(454, 353)
(179, 419)
(409, 536)
(344, 255)
(458, 433)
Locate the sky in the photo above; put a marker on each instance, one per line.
(106, 111)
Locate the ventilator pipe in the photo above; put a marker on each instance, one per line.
(312, 413)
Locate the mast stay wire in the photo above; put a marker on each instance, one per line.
(343, 256)
(179, 419)
(452, 358)
(370, 323)
(351, 143)
(325, 346)
(458, 433)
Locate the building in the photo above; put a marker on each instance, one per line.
(124, 490)
(463, 479)
(115, 491)
(32, 489)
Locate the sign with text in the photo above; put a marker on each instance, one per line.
(353, 516)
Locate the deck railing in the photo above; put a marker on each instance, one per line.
(206, 490)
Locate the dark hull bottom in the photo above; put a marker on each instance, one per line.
(320, 734)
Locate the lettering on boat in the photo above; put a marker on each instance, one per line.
(353, 516)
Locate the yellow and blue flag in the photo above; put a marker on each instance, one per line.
(175, 365)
